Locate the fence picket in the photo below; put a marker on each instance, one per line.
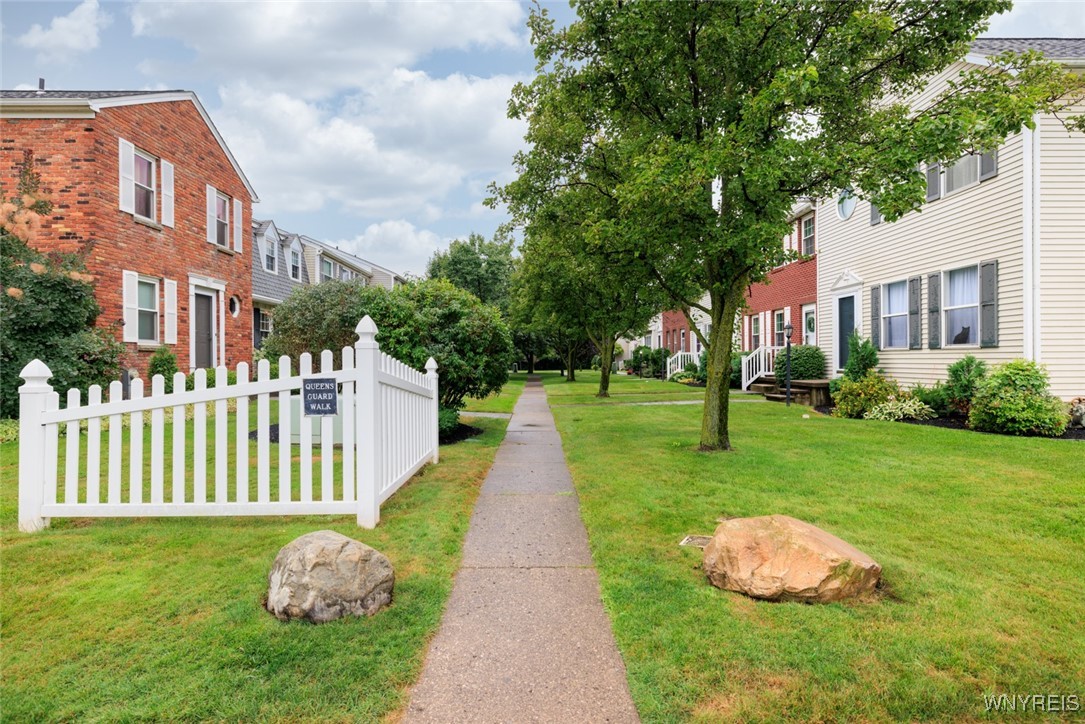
(199, 442)
(94, 445)
(346, 413)
(135, 446)
(305, 426)
(263, 425)
(327, 438)
(285, 433)
(52, 434)
(178, 495)
(222, 431)
(114, 449)
(71, 457)
(158, 388)
(242, 452)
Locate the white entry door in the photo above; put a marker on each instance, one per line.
(809, 324)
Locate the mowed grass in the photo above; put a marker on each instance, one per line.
(502, 401)
(624, 389)
(981, 537)
(162, 619)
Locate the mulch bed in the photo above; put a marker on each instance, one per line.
(462, 432)
(958, 423)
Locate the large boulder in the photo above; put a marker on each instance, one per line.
(779, 558)
(323, 576)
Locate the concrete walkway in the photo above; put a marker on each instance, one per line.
(525, 637)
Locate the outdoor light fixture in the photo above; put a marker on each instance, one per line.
(787, 332)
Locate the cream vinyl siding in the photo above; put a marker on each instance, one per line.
(979, 223)
(1061, 268)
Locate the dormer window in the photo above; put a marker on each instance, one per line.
(269, 255)
(295, 264)
(327, 270)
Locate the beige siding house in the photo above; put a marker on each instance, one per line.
(993, 265)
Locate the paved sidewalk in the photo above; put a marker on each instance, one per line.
(525, 637)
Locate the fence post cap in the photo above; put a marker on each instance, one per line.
(431, 365)
(36, 371)
(366, 329)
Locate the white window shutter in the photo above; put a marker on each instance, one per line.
(171, 311)
(239, 230)
(167, 194)
(127, 163)
(746, 331)
(212, 196)
(130, 295)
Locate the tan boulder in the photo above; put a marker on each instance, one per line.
(324, 575)
(779, 558)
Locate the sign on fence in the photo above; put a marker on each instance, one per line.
(319, 396)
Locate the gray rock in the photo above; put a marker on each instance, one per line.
(324, 575)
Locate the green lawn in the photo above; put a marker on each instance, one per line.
(623, 389)
(154, 619)
(981, 538)
(502, 401)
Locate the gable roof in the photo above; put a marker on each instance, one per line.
(86, 104)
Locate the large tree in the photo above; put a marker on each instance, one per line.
(716, 116)
(482, 267)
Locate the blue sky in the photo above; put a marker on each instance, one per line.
(374, 126)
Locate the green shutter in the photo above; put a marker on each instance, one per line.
(989, 303)
(915, 323)
(934, 310)
(875, 316)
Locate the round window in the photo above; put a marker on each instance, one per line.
(235, 306)
(845, 204)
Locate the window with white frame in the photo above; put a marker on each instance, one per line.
(295, 264)
(778, 327)
(807, 245)
(147, 304)
(895, 315)
(755, 332)
(961, 307)
(144, 183)
(327, 270)
(345, 274)
(269, 255)
(968, 170)
(222, 220)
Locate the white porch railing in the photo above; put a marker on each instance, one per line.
(678, 362)
(760, 362)
(389, 431)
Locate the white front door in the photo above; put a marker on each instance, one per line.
(809, 324)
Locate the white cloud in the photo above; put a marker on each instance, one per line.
(67, 35)
(313, 49)
(1040, 19)
(395, 244)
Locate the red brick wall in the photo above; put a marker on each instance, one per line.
(79, 163)
(793, 285)
(674, 323)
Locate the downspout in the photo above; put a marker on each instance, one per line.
(1030, 171)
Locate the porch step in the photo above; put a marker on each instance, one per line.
(763, 388)
(798, 397)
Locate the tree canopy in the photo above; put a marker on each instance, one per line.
(481, 267)
(702, 123)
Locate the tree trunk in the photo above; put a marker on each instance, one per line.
(531, 364)
(606, 359)
(571, 364)
(714, 433)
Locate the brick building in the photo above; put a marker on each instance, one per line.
(145, 188)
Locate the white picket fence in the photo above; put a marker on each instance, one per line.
(389, 431)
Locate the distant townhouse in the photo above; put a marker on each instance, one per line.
(992, 265)
(145, 188)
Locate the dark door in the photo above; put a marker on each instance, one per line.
(203, 329)
(845, 324)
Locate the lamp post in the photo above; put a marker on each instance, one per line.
(787, 331)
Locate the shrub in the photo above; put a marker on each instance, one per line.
(190, 379)
(964, 375)
(862, 357)
(448, 419)
(1013, 400)
(468, 339)
(648, 362)
(807, 363)
(901, 408)
(935, 397)
(163, 362)
(685, 377)
(855, 398)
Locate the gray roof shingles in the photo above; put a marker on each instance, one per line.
(78, 94)
(1051, 47)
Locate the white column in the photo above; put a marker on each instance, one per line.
(431, 376)
(367, 362)
(32, 461)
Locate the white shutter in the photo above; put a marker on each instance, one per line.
(171, 311)
(130, 296)
(239, 230)
(127, 164)
(212, 196)
(746, 331)
(167, 194)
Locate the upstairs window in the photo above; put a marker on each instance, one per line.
(225, 219)
(327, 270)
(222, 220)
(295, 264)
(144, 185)
(807, 245)
(269, 255)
